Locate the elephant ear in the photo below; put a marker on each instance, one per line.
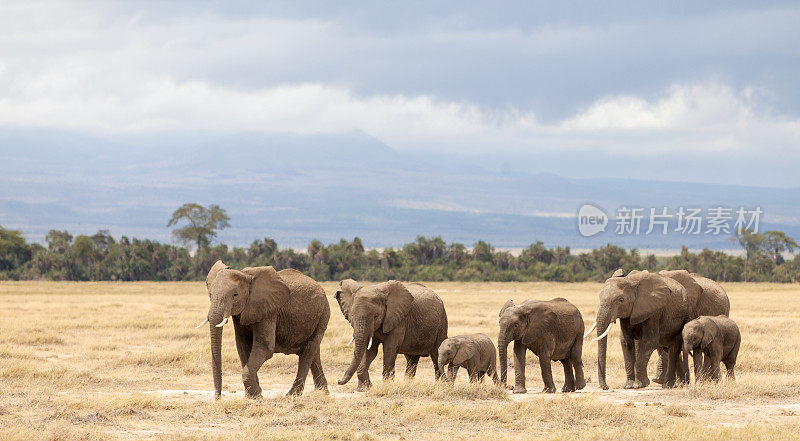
(344, 295)
(398, 303)
(212, 273)
(710, 331)
(466, 350)
(651, 295)
(508, 304)
(268, 293)
(618, 273)
(540, 320)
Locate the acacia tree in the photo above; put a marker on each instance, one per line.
(203, 223)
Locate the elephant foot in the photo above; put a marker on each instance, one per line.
(295, 392)
(520, 390)
(629, 384)
(568, 388)
(658, 380)
(549, 390)
(323, 388)
(604, 386)
(641, 384)
(254, 393)
(363, 387)
(580, 384)
(217, 395)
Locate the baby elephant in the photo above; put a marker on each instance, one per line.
(718, 339)
(553, 330)
(474, 352)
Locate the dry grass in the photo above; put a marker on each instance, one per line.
(98, 361)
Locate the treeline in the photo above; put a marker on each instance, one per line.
(102, 257)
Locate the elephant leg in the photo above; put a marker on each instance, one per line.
(674, 354)
(706, 367)
(452, 370)
(629, 356)
(244, 342)
(305, 359)
(569, 380)
(576, 355)
(697, 360)
(363, 369)
(730, 362)
(647, 345)
(320, 383)
(661, 362)
(495, 378)
(389, 360)
(729, 367)
(411, 365)
(473, 374)
(547, 373)
(716, 359)
(262, 349)
(519, 368)
(435, 359)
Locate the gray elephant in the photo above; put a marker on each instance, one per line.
(706, 297)
(272, 311)
(475, 352)
(406, 318)
(553, 330)
(652, 310)
(717, 338)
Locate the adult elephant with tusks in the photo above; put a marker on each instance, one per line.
(272, 311)
(706, 297)
(406, 318)
(652, 310)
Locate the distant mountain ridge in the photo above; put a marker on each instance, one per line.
(298, 188)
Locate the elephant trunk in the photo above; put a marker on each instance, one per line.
(215, 316)
(442, 365)
(361, 334)
(604, 320)
(686, 349)
(502, 346)
(216, 359)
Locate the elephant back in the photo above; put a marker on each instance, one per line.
(569, 317)
(714, 300)
(300, 285)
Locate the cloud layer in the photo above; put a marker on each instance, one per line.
(629, 87)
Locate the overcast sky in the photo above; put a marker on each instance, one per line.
(697, 80)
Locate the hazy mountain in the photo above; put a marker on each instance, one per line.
(298, 188)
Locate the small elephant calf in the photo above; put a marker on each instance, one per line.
(717, 338)
(475, 352)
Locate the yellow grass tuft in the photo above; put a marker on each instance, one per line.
(123, 361)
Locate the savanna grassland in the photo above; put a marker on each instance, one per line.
(123, 360)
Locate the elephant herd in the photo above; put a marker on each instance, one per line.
(675, 313)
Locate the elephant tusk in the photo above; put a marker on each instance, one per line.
(590, 329)
(351, 341)
(603, 335)
(201, 324)
(222, 323)
(370, 344)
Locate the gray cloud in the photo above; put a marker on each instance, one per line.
(712, 79)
